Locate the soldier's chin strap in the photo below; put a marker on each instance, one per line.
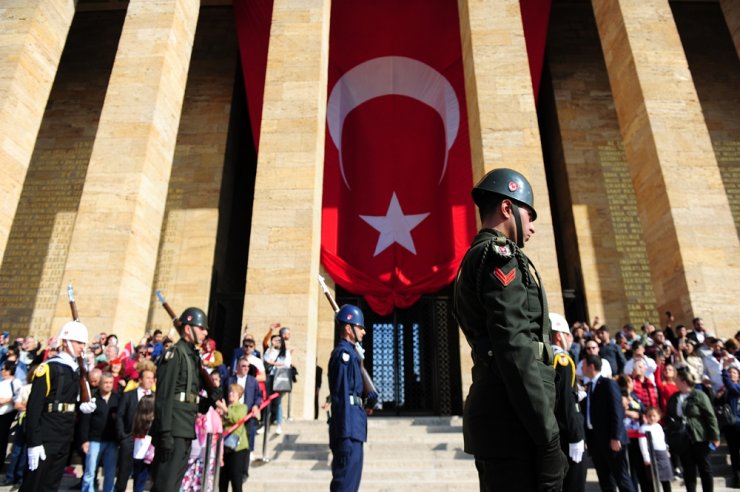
(518, 220)
(358, 347)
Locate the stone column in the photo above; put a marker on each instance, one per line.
(731, 10)
(33, 36)
(688, 228)
(114, 244)
(286, 220)
(503, 118)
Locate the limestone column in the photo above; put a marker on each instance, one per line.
(688, 228)
(286, 228)
(503, 118)
(33, 36)
(731, 10)
(114, 243)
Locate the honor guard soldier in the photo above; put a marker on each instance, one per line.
(570, 419)
(178, 401)
(348, 420)
(509, 418)
(52, 409)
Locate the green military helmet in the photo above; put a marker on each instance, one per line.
(194, 316)
(507, 183)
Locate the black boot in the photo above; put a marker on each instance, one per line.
(735, 479)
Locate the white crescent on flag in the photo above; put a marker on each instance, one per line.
(392, 75)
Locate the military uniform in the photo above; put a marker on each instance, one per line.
(508, 420)
(177, 404)
(50, 420)
(348, 421)
(570, 419)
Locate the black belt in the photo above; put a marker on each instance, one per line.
(61, 407)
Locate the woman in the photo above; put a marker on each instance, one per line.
(276, 356)
(633, 412)
(689, 358)
(235, 459)
(692, 427)
(731, 381)
(665, 380)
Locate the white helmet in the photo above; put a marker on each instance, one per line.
(558, 323)
(73, 330)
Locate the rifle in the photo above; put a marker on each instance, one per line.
(204, 375)
(84, 387)
(367, 381)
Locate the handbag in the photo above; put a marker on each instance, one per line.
(725, 416)
(231, 441)
(283, 380)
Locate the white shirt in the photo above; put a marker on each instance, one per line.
(9, 388)
(142, 393)
(256, 362)
(658, 437)
(713, 369)
(272, 356)
(241, 381)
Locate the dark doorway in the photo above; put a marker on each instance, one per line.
(413, 356)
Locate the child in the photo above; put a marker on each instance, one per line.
(143, 448)
(662, 458)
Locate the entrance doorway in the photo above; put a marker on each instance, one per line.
(413, 356)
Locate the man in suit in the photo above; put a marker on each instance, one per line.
(252, 399)
(606, 436)
(125, 422)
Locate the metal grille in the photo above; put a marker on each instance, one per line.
(441, 311)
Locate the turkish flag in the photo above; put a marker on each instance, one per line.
(397, 214)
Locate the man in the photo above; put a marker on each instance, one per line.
(348, 420)
(570, 420)
(179, 382)
(606, 436)
(509, 421)
(98, 436)
(125, 422)
(252, 398)
(610, 351)
(713, 363)
(592, 347)
(699, 333)
(51, 411)
(638, 353)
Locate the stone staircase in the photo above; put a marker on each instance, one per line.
(402, 454)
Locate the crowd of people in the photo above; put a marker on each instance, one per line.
(673, 391)
(115, 435)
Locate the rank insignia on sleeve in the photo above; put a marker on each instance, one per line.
(345, 357)
(504, 278)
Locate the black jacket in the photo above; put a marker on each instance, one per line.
(100, 426)
(607, 413)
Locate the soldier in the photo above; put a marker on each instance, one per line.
(509, 420)
(570, 420)
(348, 421)
(178, 401)
(51, 411)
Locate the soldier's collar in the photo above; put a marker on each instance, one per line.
(66, 359)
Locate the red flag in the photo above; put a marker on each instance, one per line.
(253, 19)
(126, 350)
(397, 214)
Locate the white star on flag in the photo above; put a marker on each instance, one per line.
(394, 227)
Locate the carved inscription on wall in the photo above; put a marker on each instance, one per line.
(635, 269)
(33, 267)
(728, 158)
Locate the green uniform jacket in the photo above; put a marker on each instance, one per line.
(701, 422)
(502, 311)
(172, 415)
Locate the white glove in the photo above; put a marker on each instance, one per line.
(575, 451)
(35, 454)
(88, 407)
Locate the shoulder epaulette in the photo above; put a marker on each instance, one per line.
(564, 360)
(43, 371)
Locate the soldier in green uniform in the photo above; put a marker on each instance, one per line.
(509, 419)
(178, 401)
(570, 420)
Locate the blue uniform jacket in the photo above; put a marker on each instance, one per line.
(347, 420)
